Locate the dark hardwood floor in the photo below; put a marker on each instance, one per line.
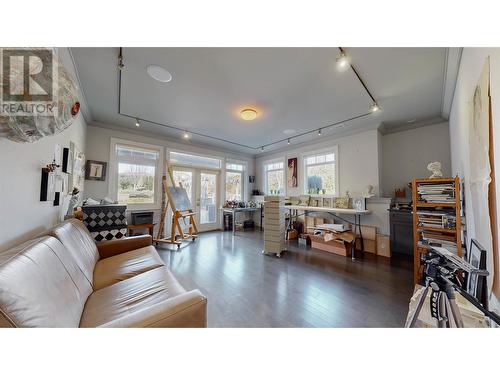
(303, 288)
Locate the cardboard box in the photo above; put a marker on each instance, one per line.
(318, 221)
(369, 238)
(383, 245)
(309, 224)
(334, 246)
(370, 246)
(292, 234)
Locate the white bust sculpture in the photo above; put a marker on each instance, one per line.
(435, 168)
(368, 191)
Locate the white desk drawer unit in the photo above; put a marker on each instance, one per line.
(274, 225)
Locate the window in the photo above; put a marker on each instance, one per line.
(234, 181)
(274, 173)
(321, 173)
(194, 160)
(135, 168)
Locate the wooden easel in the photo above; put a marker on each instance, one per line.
(177, 214)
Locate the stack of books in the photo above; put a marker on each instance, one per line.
(439, 240)
(434, 219)
(437, 193)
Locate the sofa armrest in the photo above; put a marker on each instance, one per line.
(187, 310)
(109, 248)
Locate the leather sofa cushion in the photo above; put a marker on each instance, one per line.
(186, 310)
(76, 238)
(130, 296)
(123, 266)
(41, 286)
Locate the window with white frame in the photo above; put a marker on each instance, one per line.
(234, 181)
(136, 170)
(274, 177)
(193, 160)
(321, 173)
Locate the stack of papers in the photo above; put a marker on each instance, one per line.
(435, 219)
(439, 240)
(332, 227)
(436, 193)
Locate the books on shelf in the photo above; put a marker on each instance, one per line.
(437, 220)
(434, 219)
(437, 193)
(438, 239)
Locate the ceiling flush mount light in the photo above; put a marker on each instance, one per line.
(137, 123)
(159, 73)
(374, 107)
(248, 114)
(343, 61)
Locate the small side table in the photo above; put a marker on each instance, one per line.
(131, 228)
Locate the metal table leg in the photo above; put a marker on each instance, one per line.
(234, 222)
(360, 233)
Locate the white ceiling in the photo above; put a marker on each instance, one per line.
(291, 88)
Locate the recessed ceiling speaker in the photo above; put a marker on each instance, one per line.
(159, 73)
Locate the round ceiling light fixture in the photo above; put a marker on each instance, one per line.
(248, 114)
(159, 73)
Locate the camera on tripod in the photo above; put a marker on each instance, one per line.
(444, 274)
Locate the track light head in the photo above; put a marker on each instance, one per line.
(185, 135)
(374, 108)
(319, 132)
(262, 148)
(137, 123)
(288, 141)
(343, 61)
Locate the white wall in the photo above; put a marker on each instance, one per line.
(22, 215)
(406, 154)
(471, 65)
(357, 162)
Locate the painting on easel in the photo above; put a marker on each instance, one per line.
(177, 198)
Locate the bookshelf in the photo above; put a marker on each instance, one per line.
(436, 218)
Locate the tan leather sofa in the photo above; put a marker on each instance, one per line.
(65, 280)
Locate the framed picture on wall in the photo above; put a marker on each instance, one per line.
(292, 173)
(95, 170)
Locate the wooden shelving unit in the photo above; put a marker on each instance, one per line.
(452, 208)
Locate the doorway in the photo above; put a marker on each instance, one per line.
(202, 187)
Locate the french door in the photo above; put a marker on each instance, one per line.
(202, 187)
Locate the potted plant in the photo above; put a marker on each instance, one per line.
(314, 184)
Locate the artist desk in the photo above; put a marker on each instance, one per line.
(335, 212)
(235, 210)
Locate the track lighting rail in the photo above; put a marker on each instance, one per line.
(121, 66)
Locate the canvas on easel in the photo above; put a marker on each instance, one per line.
(177, 198)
